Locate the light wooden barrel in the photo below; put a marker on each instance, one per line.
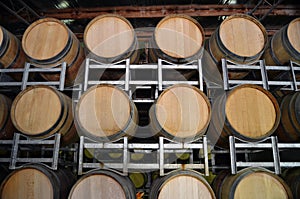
(103, 184)
(254, 183)
(284, 45)
(240, 39)
(110, 38)
(11, 53)
(6, 127)
(41, 111)
(48, 42)
(289, 130)
(292, 178)
(36, 181)
(178, 39)
(105, 113)
(248, 112)
(182, 112)
(138, 179)
(181, 184)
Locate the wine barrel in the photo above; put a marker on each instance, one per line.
(284, 45)
(138, 179)
(240, 39)
(41, 111)
(110, 38)
(48, 42)
(37, 181)
(105, 113)
(289, 130)
(182, 112)
(103, 184)
(181, 184)
(178, 39)
(248, 112)
(292, 178)
(11, 53)
(254, 183)
(6, 126)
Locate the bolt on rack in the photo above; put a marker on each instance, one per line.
(291, 84)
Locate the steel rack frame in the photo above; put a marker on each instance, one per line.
(291, 84)
(19, 139)
(162, 147)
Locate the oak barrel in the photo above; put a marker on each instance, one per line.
(48, 42)
(284, 45)
(103, 184)
(11, 52)
(289, 130)
(292, 178)
(181, 184)
(240, 38)
(178, 39)
(110, 38)
(248, 112)
(36, 181)
(40, 111)
(182, 112)
(254, 183)
(105, 113)
(6, 127)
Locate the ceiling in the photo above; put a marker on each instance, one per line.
(16, 15)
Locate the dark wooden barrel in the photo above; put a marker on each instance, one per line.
(182, 112)
(218, 182)
(37, 181)
(105, 113)
(289, 130)
(40, 111)
(110, 38)
(292, 178)
(6, 127)
(3, 172)
(254, 183)
(48, 42)
(138, 179)
(248, 112)
(103, 184)
(241, 39)
(11, 52)
(178, 39)
(284, 45)
(181, 184)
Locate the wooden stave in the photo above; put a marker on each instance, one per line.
(126, 183)
(155, 52)
(289, 127)
(131, 125)
(159, 130)
(60, 179)
(131, 52)
(6, 127)
(64, 123)
(158, 183)
(280, 50)
(227, 130)
(231, 181)
(72, 54)
(218, 50)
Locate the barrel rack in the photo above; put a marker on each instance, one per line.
(237, 145)
(21, 144)
(127, 83)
